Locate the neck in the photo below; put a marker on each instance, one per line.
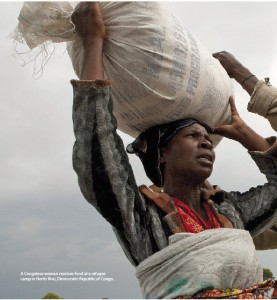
(185, 191)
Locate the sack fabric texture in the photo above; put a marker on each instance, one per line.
(213, 259)
(160, 71)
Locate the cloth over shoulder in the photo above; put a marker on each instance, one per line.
(193, 262)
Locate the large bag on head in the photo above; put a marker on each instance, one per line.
(160, 71)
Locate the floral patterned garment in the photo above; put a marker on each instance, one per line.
(255, 292)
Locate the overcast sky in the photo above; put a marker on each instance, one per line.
(45, 224)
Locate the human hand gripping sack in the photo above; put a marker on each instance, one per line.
(229, 63)
(237, 71)
(88, 21)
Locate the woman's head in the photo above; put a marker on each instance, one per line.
(188, 155)
(179, 148)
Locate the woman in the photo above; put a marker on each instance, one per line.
(157, 230)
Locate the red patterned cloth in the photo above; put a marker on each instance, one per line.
(192, 222)
(255, 292)
(274, 294)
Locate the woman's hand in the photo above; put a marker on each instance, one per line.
(232, 131)
(236, 70)
(239, 131)
(88, 21)
(229, 63)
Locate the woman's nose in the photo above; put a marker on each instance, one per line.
(204, 143)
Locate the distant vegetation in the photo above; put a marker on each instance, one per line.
(267, 274)
(51, 296)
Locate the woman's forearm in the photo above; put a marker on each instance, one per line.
(251, 140)
(246, 79)
(90, 26)
(92, 68)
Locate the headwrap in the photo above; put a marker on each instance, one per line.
(148, 144)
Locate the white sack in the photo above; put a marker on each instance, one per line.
(160, 71)
(216, 258)
(41, 22)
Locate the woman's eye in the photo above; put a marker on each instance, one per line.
(196, 135)
(191, 134)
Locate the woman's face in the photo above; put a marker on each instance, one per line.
(190, 153)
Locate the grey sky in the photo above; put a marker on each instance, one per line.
(45, 224)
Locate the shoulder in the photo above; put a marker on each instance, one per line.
(228, 208)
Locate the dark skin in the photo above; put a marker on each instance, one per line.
(236, 70)
(188, 160)
(90, 27)
(187, 186)
(178, 181)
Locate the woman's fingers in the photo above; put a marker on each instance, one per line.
(88, 20)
